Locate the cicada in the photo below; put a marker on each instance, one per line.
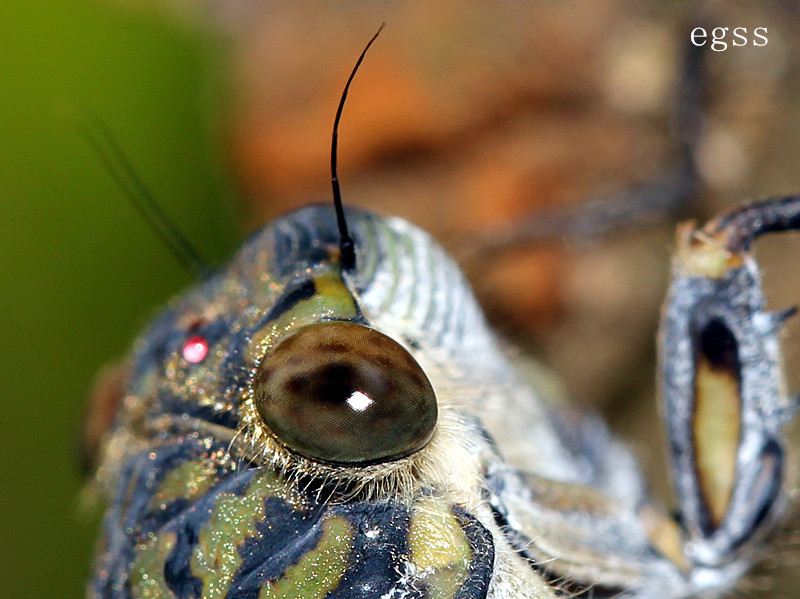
(329, 416)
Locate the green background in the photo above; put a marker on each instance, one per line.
(81, 272)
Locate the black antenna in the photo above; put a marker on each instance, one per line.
(346, 242)
(102, 141)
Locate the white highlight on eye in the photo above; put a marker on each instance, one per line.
(358, 401)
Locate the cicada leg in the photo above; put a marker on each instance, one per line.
(723, 397)
(724, 404)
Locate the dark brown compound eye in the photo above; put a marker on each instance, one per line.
(344, 393)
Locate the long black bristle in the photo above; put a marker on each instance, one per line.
(346, 243)
(102, 141)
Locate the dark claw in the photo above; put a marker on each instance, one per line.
(778, 318)
(743, 225)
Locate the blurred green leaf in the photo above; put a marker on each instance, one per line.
(81, 271)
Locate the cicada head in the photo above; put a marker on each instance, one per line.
(288, 410)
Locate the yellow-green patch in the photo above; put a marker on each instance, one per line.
(233, 520)
(184, 482)
(332, 300)
(440, 550)
(334, 294)
(320, 570)
(147, 573)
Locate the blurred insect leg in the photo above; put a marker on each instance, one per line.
(668, 195)
(722, 392)
(581, 539)
(591, 221)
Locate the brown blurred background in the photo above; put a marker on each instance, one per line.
(466, 118)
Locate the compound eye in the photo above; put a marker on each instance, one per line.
(344, 393)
